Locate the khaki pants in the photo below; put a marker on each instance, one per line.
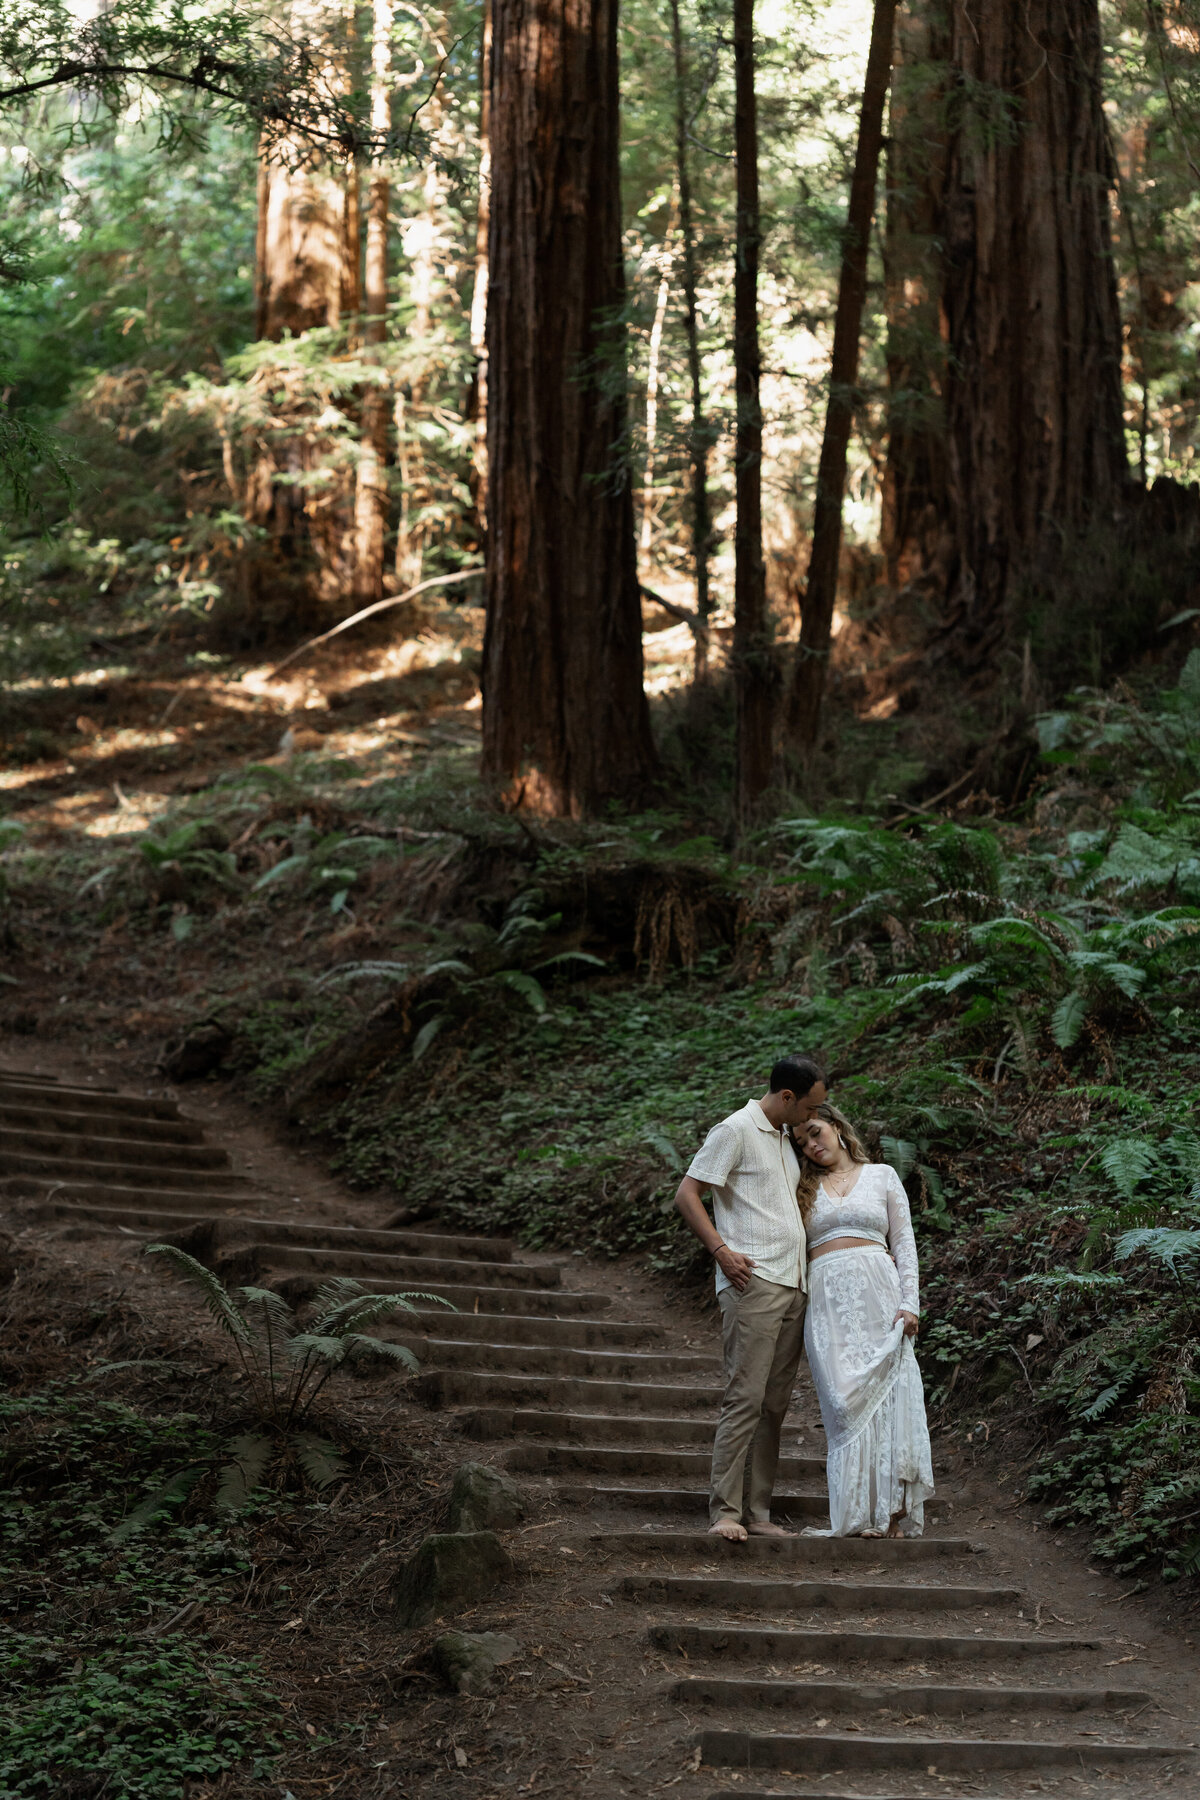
(762, 1331)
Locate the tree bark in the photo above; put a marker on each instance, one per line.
(751, 640)
(371, 492)
(1032, 415)
(566, 725)
(808, 678)
(698, 436)
(913, 534)
(479, 294)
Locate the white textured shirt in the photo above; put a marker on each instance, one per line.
(752, 1171)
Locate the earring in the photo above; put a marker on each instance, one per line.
(842, 1141)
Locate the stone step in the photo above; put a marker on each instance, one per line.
(819, 1751)
(123, 1174)
(681, 1500)
(501, 1328)
(319, 1234)
(121, 1152)
(450, 1387)
(795, 1552)
(737, 1642)
(132, 1127)
(400, 1267)
(624, 1433)
(767, 1594)
(470, 1301)
(941, 1702)
(461, 1388)
(58, 1097)
(606, 1458)
(82, 1199)
(741, 1793)
(448, 1352)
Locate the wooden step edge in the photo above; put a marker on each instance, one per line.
(833, 1750)
(928, 1697)
(798, 1548)
(734, 1639)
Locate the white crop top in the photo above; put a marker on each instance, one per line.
(875, 1208)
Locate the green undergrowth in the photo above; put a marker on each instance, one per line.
(529, 1028)
(102, 1694)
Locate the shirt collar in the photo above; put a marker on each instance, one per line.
(760, 1118)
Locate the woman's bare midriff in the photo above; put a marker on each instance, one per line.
(846, 1243)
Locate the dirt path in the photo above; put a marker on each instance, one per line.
(985, 1659)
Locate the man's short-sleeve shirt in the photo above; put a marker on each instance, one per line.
(752, 1170)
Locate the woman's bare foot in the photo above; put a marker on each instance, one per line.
(871, 1534)
(731, 1529)
(766, 1529)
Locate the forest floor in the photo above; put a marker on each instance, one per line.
(352, 1701)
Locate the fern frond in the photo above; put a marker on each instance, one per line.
(174, 1489)
(357, 1346)
(1126, 1162)
(212, 1288)
(250, 1456)
(1165, 1244)
(320, 1460)
(1067, 1021)
(320, 1348)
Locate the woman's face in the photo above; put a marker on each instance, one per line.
(820, 1142)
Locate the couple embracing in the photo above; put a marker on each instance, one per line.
(813, 1245)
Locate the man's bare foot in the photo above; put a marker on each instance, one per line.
(731, 1529)
(766, 1529)
(894, 1530)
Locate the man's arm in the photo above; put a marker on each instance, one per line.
(689, 1202)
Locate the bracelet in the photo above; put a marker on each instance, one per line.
(717, 1247)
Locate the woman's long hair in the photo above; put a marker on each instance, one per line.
(810, 1173)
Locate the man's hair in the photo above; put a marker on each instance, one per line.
(800, 1073)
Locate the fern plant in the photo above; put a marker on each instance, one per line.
(287, 1364)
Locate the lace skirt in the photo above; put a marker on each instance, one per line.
(869, 1387)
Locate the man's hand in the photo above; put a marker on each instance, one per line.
(910, 1322)
(739, 1268)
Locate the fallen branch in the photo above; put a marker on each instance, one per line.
(368, 612)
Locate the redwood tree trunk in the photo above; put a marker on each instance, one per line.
(371, 491)
(565, 725)
(751, 641)
(808, 679)
(698, 433)
(1035, 445)
(913, 531)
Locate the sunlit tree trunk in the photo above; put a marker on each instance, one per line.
(808, 677)
(565, 725)
(301, 270)
(480, 290)
(371, 492)
(652, 367)
(698, 434)
(751, 639)
(425, 237)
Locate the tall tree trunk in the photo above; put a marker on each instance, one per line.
(698, 434)
(652, 367)
(566, 726)
(301, 267)
(751, 639)
(913, 534)
(1034, 439)
(425, 239)
(808, 677)
(371, 493)
(480, 290)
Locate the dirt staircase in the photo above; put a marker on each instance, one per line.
(907, 1663)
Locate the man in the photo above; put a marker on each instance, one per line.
(757, 1243)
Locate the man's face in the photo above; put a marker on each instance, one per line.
(803, 1106)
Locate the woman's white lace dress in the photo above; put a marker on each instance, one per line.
(864, 1369)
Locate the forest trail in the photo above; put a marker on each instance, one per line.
(941, 1666)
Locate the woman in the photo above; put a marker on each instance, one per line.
(858, 1331)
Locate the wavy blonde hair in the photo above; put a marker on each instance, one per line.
(810, 1174)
